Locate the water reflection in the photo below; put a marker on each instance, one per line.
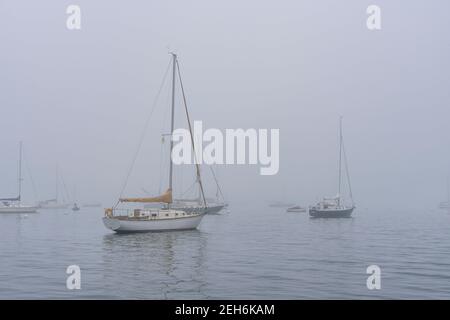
(161, 265)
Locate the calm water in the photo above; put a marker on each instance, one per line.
(253, 253)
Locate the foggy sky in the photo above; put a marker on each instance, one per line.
(79, 99)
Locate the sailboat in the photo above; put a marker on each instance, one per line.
(149, 219)
(335, 207)
(54, 203)
(14, 205)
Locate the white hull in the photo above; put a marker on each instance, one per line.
(129, 225)
(21, 209)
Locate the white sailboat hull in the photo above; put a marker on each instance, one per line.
(126, 225)
(18, 209)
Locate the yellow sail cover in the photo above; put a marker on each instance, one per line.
(166, 198)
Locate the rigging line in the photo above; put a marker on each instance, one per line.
(217, 184)
(189, 188)
(347, 173)
(143, 134)
(190, 131)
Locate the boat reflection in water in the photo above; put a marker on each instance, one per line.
(161, 265)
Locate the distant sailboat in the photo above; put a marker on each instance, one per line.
(335, 207)
(75, 206)
(54, 203)
(14, 205)
(446, 204)
(443, 205)
(158, 219)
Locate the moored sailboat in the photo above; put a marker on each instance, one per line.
(335, 207)
(14, 205)
(157, 219)
(54, 204)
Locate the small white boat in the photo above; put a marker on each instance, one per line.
(158, 219)
(55, 204)
(14, 205)
(75, 207)
(296, 209)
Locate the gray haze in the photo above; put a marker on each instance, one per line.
(79, 99)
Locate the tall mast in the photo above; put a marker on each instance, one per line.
(174, 62)
(20, 170)
(340, 159)
(56, 184)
